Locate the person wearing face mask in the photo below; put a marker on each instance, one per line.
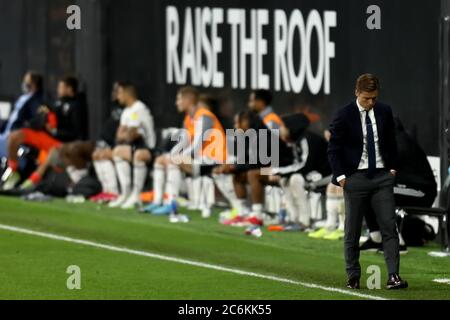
(24, 108)
(48, 130)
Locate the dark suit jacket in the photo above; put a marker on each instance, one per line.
(346, 143)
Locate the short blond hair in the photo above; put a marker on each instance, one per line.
(367, 83)
(189, 91)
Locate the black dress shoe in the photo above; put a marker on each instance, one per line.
(353, 283)
(371, 245)
(395, 282)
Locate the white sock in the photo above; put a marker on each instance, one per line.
(376, 236)
(225, 185)
(297, 188)
(139, 177)
(257, 209)
(123, 169)
(158, 184)
(189, 189)
(196, 191)
(333, 206)
(289, 201)
(173, 181)
(401, 240)
(242, 207)
(207, 197)
(109, 173)
(100, 175)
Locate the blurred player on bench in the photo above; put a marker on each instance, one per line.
(135, 141)
(202, 145)
(103, 154)
(262, 116)
(246, 172)
(49, 129)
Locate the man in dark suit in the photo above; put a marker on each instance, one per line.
(362, 152)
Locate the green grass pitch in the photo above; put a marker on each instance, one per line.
(34, 267)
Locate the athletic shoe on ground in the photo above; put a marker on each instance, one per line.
(96, 198)
(163, 210)
(27, 185)
(183, 202)
(108, 196)
(10, 179)
(319, 234)
(228, 214)
(295, 227)
(37, 197)
(131, 203)
(253, 231)
(371, 246)
(178, 218)
(206, 213)
(335, 235)
(236, 221)
(403, 249)
(75, 199)
(192, 206)
(151, 207)
(104, 197)
(119, 201)
(298, 227)
(254, 221)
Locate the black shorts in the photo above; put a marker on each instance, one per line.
(141, 145)
(202, 170)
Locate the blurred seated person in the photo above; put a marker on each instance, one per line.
(76, 156)
(310, 164)
(249, 169)
(49, 129)
(260, 102)
(25, 108)
(415, 184)
(103, 154)
(335, 211)
(134, 147)
(201, 147)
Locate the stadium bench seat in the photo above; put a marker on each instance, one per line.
(441, 213)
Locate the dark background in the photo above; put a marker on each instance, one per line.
(125, 39)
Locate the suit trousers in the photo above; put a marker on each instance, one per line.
(362, 194)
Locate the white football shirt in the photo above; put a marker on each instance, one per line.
(139, 116)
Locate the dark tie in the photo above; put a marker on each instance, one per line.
(370, 147)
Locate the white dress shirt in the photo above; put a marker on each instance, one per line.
(364, 162)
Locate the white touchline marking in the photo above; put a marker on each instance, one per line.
(445, 281)
(185, 261)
